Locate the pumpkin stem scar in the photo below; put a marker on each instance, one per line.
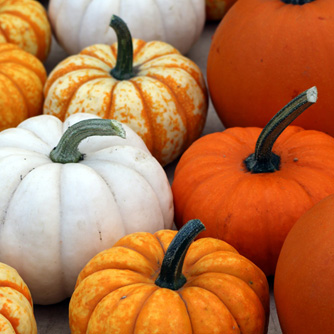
(67, 149)
(123, 69)
(264, 160)
(297, 2)
(171, 276)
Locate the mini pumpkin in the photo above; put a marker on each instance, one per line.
(266, 51)
(25, 23)
(59, 206)
(164, 283)
(303, 285)
(149, 86)
(78, 24)
(250, 185)
(22, 77)
(16, 304)
(216, 9)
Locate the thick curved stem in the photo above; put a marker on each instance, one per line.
(171, 276)
(67, 149)
(264, 160)
(124, 63)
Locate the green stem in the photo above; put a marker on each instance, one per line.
(67, 149)
(264, 160)
(297, 2)
(171, 276)
(124, 63)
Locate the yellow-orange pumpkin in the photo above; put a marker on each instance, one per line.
(16, 305)
(216, 9)
(163, 283)
(251, 200)
(22, 77)
(25, 23)
(149, 86)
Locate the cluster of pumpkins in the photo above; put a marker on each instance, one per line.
(86, 208)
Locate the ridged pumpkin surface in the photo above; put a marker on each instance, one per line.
(16, 305)
(116, 292)
(252, 212)
(22, 77)
(25, 23)
(165, 102)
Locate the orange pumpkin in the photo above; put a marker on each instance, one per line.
(265, 51)
(22, 77)
(303, 286)
(249, 188)
(16, 305)
(149, 86)
(216, 9)
(164, 283)
(25, 23)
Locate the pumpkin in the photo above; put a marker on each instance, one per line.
(78, 24)
(216, 9)
(165, 283)
(149, 86)
(22, 77)
(25, 23)
(250, 185)
(303, 285)
(60, 206)
(16, 305)
(279, 46)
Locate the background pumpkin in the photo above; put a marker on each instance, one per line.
(16, 305)
(155, 90)
(78, 24)
(70, 210)
(216, 9)
(252, 200)
(264, 52)
(305, 270)
(26, 24)
(22, 77)
(200, 287)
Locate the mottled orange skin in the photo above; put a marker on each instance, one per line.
(216, 9)
(165, 101)
(22, 77)
(25, 23)
(252, 212)
(116, 292)
(303, 286)
(264, 52)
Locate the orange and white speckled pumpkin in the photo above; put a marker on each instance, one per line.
(25, 23)
(16, 305)
(22, 77)
(149, 86)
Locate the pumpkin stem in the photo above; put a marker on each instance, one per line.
(171, 276)
(297, 2)
(264, 160)
(124, 63)
(67, 149)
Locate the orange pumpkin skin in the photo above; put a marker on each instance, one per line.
(216, 9)
(266, 46)
(303, 286)
(252, 212)
(22, 77)
(224, 292)
(25, 23)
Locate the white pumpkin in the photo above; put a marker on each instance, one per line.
(56, 216)
(81, 23)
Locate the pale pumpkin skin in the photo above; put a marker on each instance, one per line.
(57, 216)
(165, 102)
(22, 77)
(16, 305)
(78, 24)
(26, 24)
(116, 292)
